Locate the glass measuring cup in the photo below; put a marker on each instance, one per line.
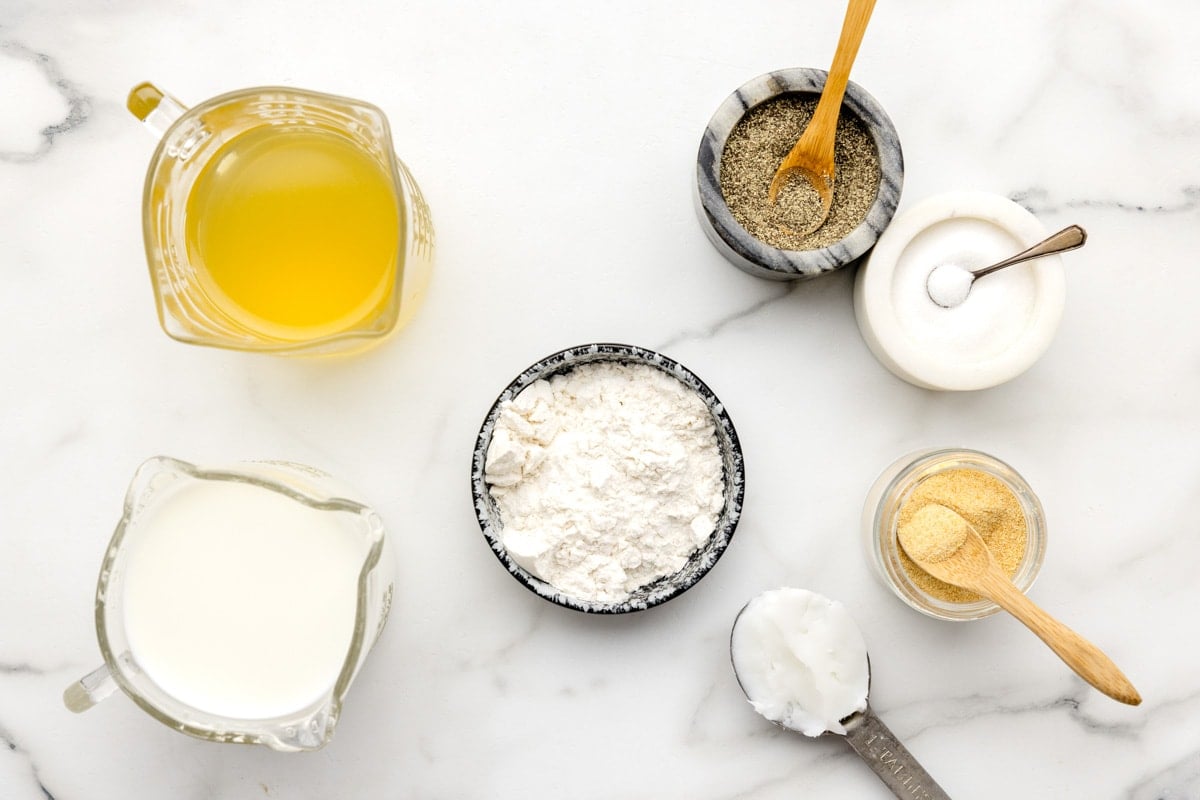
(201, 142)
(160, 481)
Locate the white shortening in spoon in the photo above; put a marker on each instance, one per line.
(801, 660)
(803, 664)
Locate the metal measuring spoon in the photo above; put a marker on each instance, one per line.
(949, 284)
(874, 743)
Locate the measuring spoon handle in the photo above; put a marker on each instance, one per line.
(889, 759)
(1069, 238)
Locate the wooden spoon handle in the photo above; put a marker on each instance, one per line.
(858, 14)
(1088, 661)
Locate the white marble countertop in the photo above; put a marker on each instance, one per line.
(556, 144)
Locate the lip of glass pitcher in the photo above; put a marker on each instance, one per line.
(306, 729)
(197, 132)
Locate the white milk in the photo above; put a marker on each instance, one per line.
(240, 601)
(801, 660)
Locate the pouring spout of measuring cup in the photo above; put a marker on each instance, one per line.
(89, 690)
(156, 109)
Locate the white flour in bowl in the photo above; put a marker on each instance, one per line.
(607, 478)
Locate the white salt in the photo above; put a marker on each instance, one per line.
(949, 285)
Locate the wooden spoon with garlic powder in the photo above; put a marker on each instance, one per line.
(946, 546)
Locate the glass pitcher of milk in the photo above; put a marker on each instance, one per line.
(238, 604)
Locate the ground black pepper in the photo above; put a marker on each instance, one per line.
(756, 146)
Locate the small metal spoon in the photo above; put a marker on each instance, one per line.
(876, 745)
(949, 284)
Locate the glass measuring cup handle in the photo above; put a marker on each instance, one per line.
(155, 108)
(889, 759)
(89, 690)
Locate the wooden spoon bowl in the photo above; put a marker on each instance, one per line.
(812, 155)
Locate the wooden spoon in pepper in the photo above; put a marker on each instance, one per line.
(812, 155)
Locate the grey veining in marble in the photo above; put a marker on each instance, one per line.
(79, 106)
(19, 753)
(555, 144)
(1039, 201)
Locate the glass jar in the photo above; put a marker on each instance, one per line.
(881, 514)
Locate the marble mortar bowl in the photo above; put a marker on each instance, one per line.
(733, 474)
(755, 256)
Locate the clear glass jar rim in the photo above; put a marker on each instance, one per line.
(884, 543)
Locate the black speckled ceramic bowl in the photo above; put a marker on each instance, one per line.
(755, 256)
(700, 562)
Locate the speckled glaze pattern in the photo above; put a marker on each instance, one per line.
(733, 475)
(756, 257)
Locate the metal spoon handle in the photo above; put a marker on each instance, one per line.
(889, 759)
(1068, 238)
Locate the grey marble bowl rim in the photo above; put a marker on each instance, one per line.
(734, 241)
(700, 562)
